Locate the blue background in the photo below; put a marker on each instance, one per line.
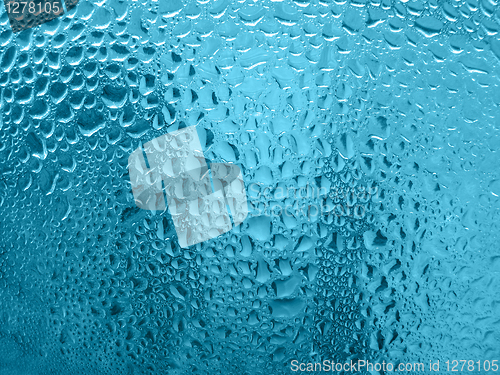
(398, 97)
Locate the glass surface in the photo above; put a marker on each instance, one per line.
(348, 150)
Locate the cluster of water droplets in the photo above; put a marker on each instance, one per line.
(398, 100)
